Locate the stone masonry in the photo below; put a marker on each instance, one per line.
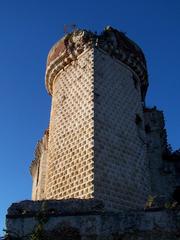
(120, 168)
(162, 173)
(38, 168)
(70, 152)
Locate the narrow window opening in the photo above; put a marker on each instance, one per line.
(147, 128)
(135, 81)
(138, 120)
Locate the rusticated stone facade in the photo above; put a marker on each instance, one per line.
(103, 143)
(70, 152)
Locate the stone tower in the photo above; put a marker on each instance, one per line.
(104, 152)
(95, 146)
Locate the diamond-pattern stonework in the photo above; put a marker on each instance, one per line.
(121, 169)
(70, 156)
(96, 148)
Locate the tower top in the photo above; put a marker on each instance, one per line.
(111, 41)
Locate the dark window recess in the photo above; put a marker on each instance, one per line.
(96, 95)
(135, 81)
(138, 120)
(176, 195)
(37, 179)
(147, 128)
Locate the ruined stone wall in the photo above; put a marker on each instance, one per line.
(81, 220)
(121, 174)
(162, 172)
(34, 172)
(38, 168)
(70, 153)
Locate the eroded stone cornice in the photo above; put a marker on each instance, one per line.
(115, 43)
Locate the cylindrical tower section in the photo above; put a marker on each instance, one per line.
(97, 145)
(69, 79)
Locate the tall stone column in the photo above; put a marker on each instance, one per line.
(97, 145)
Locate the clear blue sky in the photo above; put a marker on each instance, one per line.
(27, 31)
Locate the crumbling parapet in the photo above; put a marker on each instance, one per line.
(162, 171)
(113, 42)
